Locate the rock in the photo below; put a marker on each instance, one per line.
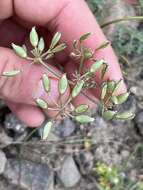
(5, 140)
(65, 127)
(29, 175)
(3, 161)
(69, 174)
(114, 10)
(85, 161)
(12, 123)
(139, 122)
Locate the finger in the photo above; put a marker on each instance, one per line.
(71, 25)
(11, 32)
(27, 86)
(30, 115)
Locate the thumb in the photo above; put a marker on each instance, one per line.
(27, 86)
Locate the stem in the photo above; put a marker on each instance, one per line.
(127, 18)
(81, 64)
(49, 69)
(70, 82)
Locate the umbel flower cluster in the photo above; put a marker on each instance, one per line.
(83, 80)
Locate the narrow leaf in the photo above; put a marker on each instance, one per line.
(111, 86)
(104, 45)
(34, 37)
(59, 48)
(20, 51)
(104, 91)
(95, 66)
(84, 119)
(46, 130)
(11, 73)
(123, 97)
(115, 100)
(41, 45)
(108, 115)
(77, 88)
(81, 108)
(41, 103)
(75, 44)
(63, 84)
(46, 82)
(125, 115)
(104, 70)
(84, 36)
(55, 40)
(118, 84)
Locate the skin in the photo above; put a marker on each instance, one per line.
(72, 19)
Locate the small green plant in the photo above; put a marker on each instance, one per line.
(111, 178)
(83, 79)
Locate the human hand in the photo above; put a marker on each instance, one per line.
(72, 19)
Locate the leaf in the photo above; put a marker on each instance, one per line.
(41, 45)
(84, 119)
(84, 36)
(75, 44)
(104, 90)
(104, 45)
(108, 115)
(104, 70)
(55, 40)
(81, 108)
(127, 115)
(46, 130)
(41, 103)
(87, 53)
(115, 100)
(111, 85)
(46, 82)
(59, 48)
(63, 84)
(34, 37)
(95, 66)
(20, 51)
(118, 84)
(11, 73)
(77, 88)
(123, 97)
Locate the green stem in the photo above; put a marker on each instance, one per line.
(127, 18)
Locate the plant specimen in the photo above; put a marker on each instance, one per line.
(83, 79)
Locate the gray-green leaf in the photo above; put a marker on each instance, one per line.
(59, 48)
(111, 86)
(41, 45)
(41, 103)
(81, 108)
(83, 119)
(104, 45)
(109, 114)
(123, 97)
(95, 66)
(20, 51)
(55, 40)
(63, 84)
(46, 130)
(11, 73)
(34, 37)
(84, 36)
(77, 88)
(104, 91)
(46, 82)
(127, 115)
